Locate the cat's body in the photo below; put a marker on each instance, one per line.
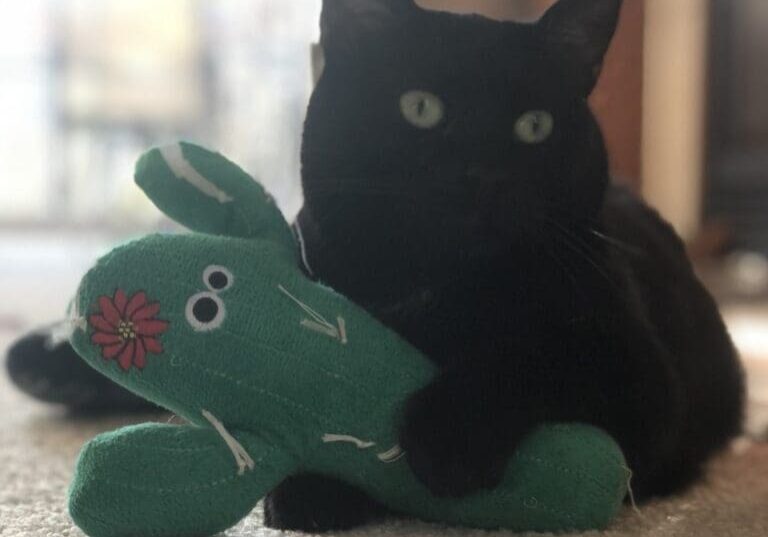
(492, 242)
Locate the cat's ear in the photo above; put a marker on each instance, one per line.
(580, 31)
(344, 24)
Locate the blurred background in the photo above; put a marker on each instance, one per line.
(87, 85)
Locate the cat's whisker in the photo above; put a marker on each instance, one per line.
(578, 246)
(629, 248)
(564, 266)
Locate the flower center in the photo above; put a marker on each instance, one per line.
(126, 330)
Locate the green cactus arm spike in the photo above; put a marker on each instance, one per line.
(206, 192)
(169, 480)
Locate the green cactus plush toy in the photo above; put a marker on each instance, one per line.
(276, 375)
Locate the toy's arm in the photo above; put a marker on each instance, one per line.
(205, 192)
(169, 480)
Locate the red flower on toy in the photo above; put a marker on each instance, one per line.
(126, 329)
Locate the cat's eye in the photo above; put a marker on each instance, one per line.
(534, 127)
(422, 109)
(205, 312)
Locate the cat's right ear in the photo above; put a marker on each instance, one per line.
(580, 32)
(345, 24)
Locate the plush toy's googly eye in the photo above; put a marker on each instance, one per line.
(205, 311)
(218, 278)
(422, 109)
(534, 127)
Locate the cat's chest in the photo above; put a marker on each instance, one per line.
(492, 312)
(465, 317)
(431, 321)
(490, 305)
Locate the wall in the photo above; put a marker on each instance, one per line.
(675, 104)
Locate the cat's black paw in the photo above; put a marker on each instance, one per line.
(316, 504)
(52, 372)
(450, 448)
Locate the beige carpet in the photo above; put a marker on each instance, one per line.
(38, 446)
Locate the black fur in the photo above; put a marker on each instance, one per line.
(314, 504)
(54, 373)
(542, 293)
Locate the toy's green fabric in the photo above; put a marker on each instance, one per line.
(276, 375)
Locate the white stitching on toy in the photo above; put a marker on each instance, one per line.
(173, 155)
(302, 246)
(631, 493)
(392, 455)
(531, 503)
(245, 219)
(62, 332)
(242, 458)
(342, 329)
(387, 457)
(319, 323)
(329, 331)
(335, 438)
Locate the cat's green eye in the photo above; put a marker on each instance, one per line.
(534, 127)
(422, 109)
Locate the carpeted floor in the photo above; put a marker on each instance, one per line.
(38, 446)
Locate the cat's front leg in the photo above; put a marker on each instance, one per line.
(458, 432)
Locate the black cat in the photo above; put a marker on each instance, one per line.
(457, 187)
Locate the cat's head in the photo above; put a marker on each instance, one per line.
(436, 133)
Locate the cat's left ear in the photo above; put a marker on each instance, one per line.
(345, 24)
(580, 31)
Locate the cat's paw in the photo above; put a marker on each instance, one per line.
(452, 451)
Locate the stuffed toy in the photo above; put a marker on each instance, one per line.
(275, 374)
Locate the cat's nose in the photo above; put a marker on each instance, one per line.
(501, 198)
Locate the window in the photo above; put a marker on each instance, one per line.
(88, 85)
